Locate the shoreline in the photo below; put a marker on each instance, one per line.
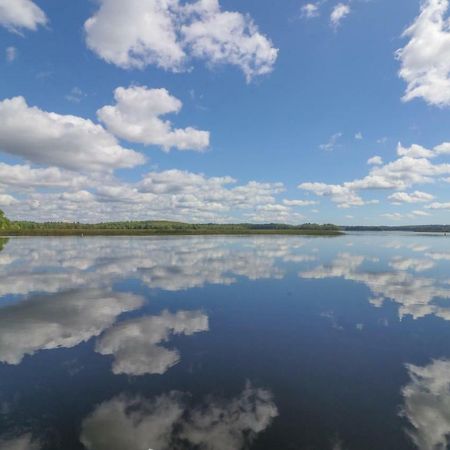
(131, 233)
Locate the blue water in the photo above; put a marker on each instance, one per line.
(225, 343)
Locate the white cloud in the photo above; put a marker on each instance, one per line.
(310, 10)
(273, 208)
(340, 194)
(340, 11)
(420, 213)
(61, 140)
(7, 200)
(78, 196)
(375, 161)
(299, 202)
(134, 343)
(413, 197)
(414, 166)
(18, 14)
(442, 149)
(439, 205)
(24, 176)
(359, 136)
(171, 194)
(136, 118)
(427, 404)
(11, 54)
(214, 424)
(332, 142)
(425, 60)
(415, 151)
(136, 33)
(167, 33)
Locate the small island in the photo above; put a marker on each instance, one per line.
(157, 228)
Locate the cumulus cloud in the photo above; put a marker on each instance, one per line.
(344, 196)
(134, 343)
(339, 13)
(66, 141)
(7, 200)
(439, 205)
(60, 320)
(427, 404)
(136, 117)
(425, 60)
(216, 424)
(413, 197)
(299, 202)
(168, 34)
(25, 176)
(21, 14)
(170, 194)
(413, 166)
(375, 161)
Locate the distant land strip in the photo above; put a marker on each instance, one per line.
(165, 227)
(156, 227)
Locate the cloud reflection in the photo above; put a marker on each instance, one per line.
(427, 405)
(173, 264)
(414, 294)
(166, 422)
(134, 343)
(24, 442)
(60, 320)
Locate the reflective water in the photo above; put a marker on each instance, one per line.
(225, 343)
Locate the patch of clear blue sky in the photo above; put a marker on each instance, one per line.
(324, 82)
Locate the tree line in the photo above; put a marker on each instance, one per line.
(158, 227)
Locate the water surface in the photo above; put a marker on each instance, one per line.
(225, 343)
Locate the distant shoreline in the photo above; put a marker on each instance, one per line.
(130, 233)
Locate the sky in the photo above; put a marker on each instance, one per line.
(295, 111)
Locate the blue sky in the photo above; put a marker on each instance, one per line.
(290, 112)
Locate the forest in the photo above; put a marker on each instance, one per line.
(153, 227)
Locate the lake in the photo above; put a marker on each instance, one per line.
(225, 343)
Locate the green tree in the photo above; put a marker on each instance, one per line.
(4, 222)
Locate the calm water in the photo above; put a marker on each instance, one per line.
(217, 343)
